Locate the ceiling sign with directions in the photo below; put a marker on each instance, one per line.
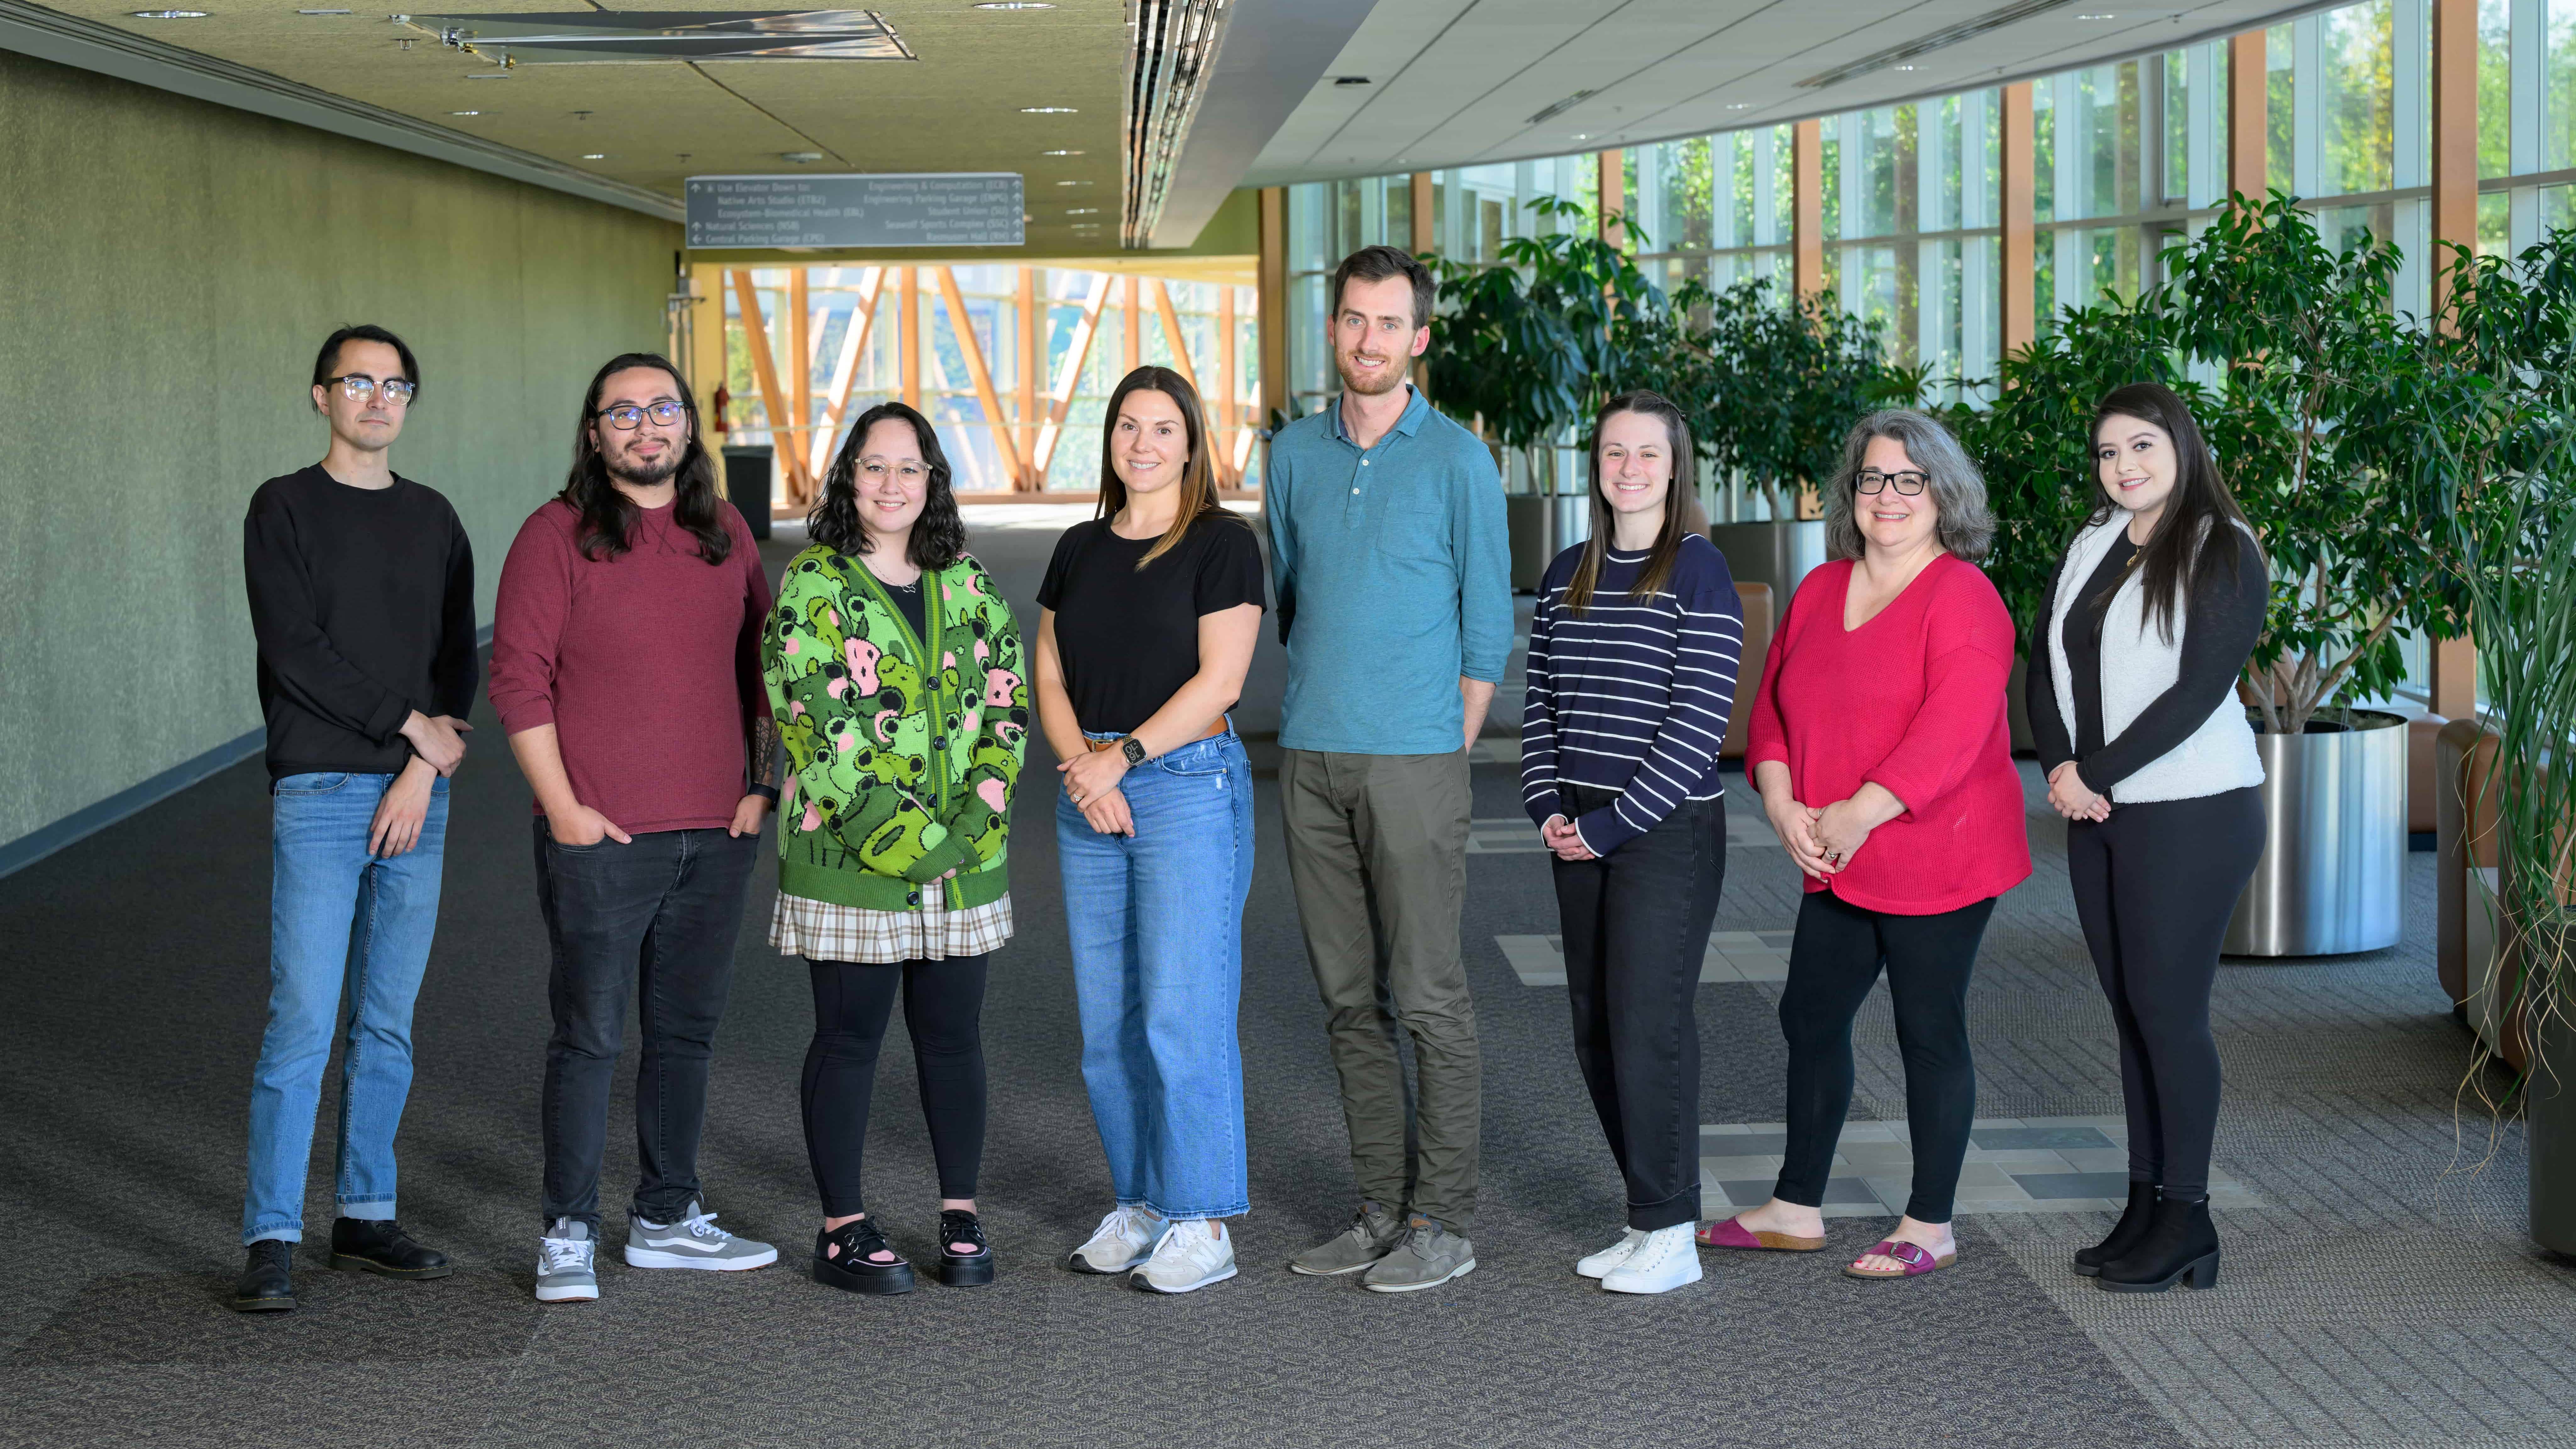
(923, 209)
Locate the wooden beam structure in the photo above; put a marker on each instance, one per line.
(1131, 315)
(1271, 300)
(2248, 87)
(1229, 474)
(1420, 235)
(2453, 688)
(1033, 329)
(845, 372)
(2019, 271)
(1807, 153)
(764, 368)
(907, 335)
(973, 351)
(1610, 179)
(1172, 337)
(1060, 395)
(800, 368)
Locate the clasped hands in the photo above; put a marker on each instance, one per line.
(2069, 796)
(1822, 842)
(1091, 782)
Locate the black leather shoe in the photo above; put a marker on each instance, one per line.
(379, 1245)
(2132, 1226)
(851, 1270)
(2180, 1245)
(264, 1286)
(963, 1270)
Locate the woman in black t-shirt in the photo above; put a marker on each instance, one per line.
(1148, 617)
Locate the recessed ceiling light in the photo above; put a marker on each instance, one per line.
(1904, 67)
(1082, 211)
(1582, 135)
(465, 113)
(321, 12)
(1046, 110)
(1014, 5)
(489, 75)
(2097, 17)
(167, 14)
(801, 158)
(1059, 153)
(594, 156)
(1739, 105)
(1073, 183)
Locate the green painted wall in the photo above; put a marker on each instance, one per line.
(167, 268)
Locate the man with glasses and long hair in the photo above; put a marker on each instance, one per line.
(626, 669)
(362, 599)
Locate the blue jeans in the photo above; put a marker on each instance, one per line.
(337, 917)
(1156, 926)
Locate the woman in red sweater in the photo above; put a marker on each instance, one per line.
(1880, 746)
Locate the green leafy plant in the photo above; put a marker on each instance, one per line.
(1787, 378)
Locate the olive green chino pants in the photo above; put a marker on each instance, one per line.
(1377, 853)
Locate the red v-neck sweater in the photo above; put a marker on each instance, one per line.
(1914, 701)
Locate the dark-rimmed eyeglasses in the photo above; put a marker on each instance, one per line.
(358, 387)
(1871, 480)
(628, 417)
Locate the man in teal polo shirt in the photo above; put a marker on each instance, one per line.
(1393, 576)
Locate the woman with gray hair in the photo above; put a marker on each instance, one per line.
(1879, 743)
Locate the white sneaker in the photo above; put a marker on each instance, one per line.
(1599, 1264)
(1191, 1256)
(693, 1242)
(566, 1272)
(1120, 1242)
(1666, 1260)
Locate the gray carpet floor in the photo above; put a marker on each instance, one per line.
(2378, 1292)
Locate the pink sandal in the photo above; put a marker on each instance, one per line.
(1729, 1233)
(1916, 1259)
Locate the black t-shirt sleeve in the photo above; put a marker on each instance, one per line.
(1051, 588)
(2220, 627)
(1229, 572)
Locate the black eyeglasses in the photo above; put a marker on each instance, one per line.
(358, 387)
(629, 417)
(1871, 480)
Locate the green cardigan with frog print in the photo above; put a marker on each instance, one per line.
(903, 750)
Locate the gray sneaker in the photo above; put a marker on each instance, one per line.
(1372, 1235)
(565, 1273)
(693, 1242)
(1429, 1256)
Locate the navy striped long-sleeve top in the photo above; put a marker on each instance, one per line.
(1632, 694)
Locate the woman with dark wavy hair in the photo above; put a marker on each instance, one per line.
(2132, 697)
(895, 672)
(1147, 622)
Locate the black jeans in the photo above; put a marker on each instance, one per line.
(1636, 928)
(943, 1009)
(657, 920)
(1832, 965)
(2154, 885)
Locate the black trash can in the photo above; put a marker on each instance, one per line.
(747, 483)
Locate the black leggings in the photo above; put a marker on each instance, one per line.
(1832, 965)
(2154, 885)
(943, 1006)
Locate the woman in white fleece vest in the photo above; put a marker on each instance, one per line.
(2132, 697)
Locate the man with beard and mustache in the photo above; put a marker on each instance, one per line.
(362, 599)
(626, 669)
(1393, 575)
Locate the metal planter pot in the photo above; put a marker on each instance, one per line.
(1541, 526)
(2332, 877)
(1779, 554)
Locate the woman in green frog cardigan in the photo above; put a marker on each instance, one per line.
(897, 679)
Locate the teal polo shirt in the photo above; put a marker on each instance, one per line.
(1393, 575)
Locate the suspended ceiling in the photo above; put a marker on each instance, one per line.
(1463, 82)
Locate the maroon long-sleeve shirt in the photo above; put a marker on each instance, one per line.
(647, 664)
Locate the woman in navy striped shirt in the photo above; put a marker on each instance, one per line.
(1632, 660)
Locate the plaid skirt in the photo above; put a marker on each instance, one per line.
(822, 931)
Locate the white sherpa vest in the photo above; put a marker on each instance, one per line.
(2137, 666)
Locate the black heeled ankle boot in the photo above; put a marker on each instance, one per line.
(853, 1269)
(2180, 1245)
(963, 1270)
(2132, 1226)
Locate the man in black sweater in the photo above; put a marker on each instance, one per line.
(362, 598)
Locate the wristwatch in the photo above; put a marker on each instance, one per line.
(1134, 749)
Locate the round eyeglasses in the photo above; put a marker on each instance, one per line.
(628, 417)
(358, 387)
(1908, 483)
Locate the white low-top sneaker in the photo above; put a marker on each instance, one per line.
(1598, 1265)
(1120, 1243)
(1666, 1260)
(693, 1242)
(566, 1272)
(1191, 1256)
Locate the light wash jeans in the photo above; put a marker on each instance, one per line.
(1156, 926)
(338, 916)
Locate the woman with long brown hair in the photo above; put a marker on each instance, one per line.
(1632, 659)
(1148, 617)
(2132, 700)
